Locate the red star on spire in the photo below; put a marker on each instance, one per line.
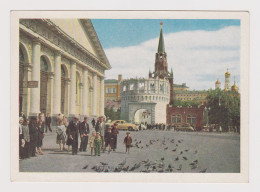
(161, 23)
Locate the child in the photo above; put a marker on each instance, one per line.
(127, 142)
(91, 141)
(108, 139)
(97, 144)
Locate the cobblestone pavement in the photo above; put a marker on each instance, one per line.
(214, 152)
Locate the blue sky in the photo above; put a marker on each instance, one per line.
(128, 32)
(199, 51)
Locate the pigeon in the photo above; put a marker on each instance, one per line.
(145, 161)
(162, 158)
(165, 148)
(161, 170)
(176, 159)
(147, 145)
(179, 141)
(125, 168)
(140, 141)
(192, 164)
(186, 150)
(94, 167)
(194, 167)
(102, 163)
(174, 150)
(123, 163)
(85, 167)
(181, 153)
(185, 158)
(169, 166)
(177, 145)
(141, 147)
(180, 167)
(203, 171)
(195, 161)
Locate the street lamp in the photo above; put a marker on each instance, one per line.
(207, 111)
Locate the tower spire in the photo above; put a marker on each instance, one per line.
(161, 48)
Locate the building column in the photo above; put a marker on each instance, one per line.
(36, 76)
(85, 93)
(73, 89)
(94, 104)
(67, 97)
(50, 103)
(57, 84)
(26, 91)
(102, 96)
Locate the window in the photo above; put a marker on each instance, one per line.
(176, 119)
(63, 74)
(152, 88)
(44, 65)
(191, 119)
(161, 88)
(21, 56)
(114, 90)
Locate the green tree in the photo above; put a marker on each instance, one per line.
(224, 109)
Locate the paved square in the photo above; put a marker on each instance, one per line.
(212, 152)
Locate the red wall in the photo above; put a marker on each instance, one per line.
(198, 112)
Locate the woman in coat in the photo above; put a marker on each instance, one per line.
(40, 137)
(115, 132)
(61, 135)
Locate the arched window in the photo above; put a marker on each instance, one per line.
(63, 73)
(21, 56)
(44, 64)
(152, 88)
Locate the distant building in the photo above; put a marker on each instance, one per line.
(233, 89)
(200, 96)
(112, 89)
(182, 87)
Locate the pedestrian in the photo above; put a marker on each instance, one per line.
(108, 139)
(33, 131)
(127, 142)
(58, 118)
(84, 132)
(73, 130)
(48, 123)
(220, 129)
(93, 122)
(115, 132)
(26, 137)
(21, 138)
(91, 141)
(61, 135)
(97, 144)
(100, 127)
(69, 139)
(40, 137)
(23, 116)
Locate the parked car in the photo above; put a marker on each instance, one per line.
(143, 127)
(187, 128)
(123, 125)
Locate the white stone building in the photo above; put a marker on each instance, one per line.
(68, 61)
(144, 95)
(146, 100)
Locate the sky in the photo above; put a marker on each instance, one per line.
(198, 51)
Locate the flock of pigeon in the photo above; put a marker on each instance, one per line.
(159, 165)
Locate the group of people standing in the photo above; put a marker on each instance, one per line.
(31, 134)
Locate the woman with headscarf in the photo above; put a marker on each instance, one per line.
(61, 135)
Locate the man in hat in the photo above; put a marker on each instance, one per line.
(73, 133)
(100, 127)
(48, 123)
(21, 139)
(84, 132)
(108, 139)
(127, 142)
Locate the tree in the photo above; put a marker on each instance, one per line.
(224, 109)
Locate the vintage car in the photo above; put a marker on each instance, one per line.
(123, 125)
(143, 127)
(187, 128)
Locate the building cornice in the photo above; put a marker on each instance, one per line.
(74, 54)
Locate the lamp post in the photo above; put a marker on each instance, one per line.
(207, 111)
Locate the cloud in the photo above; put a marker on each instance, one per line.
(198, 58)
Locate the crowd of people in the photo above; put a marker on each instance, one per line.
(102, 138)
